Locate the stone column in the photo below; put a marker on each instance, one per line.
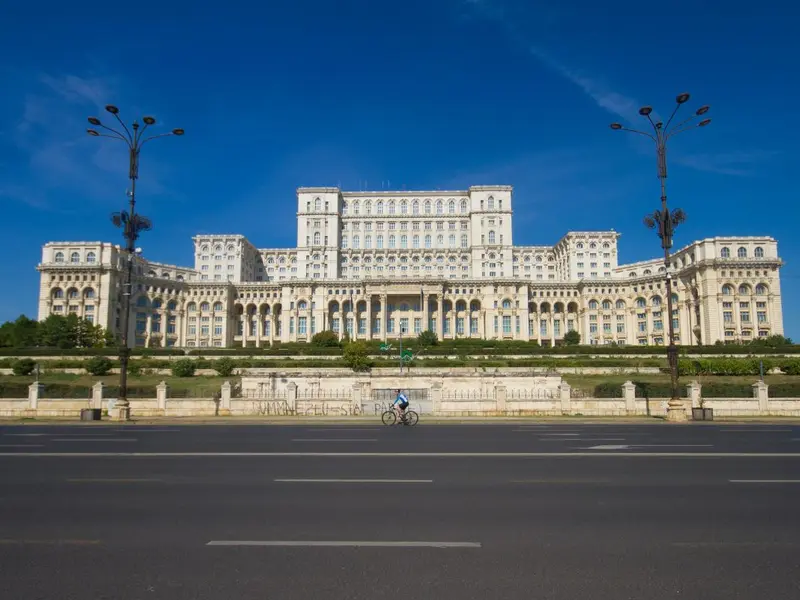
(385, 316)
(225, 399)
(552, 320)
(34, 391)
(565, 395)
(761, 393)
(425, 318)
(440, 318)
(355, 399)
(148, 331)
(97, 395)
(161, 397)
(271, 327)
(694, 391)
(259, 325)
(500, 393)
(245, 326)
(369, 317)
(629, 393)
(436, 397)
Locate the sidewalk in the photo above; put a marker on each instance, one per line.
(375, 420)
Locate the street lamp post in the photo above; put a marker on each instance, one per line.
(665, 221)
(132, 225)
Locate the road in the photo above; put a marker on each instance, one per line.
(518, 510)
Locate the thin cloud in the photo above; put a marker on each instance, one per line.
(741, 164)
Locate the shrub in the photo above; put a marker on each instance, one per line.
(790, 367)
(224, 367)
(325, 339)
(572, 338)
(23, 366)
(135, 367)
(427, 339)
(356, 356)
(98, 365)
(184, 367)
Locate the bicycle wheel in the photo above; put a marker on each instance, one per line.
(412, 418)
(389, 417)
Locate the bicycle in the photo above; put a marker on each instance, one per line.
(409, 417)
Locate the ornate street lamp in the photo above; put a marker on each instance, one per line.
(665, 221)
(132, 225)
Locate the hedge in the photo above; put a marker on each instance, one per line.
(43, 351)
(709, 390)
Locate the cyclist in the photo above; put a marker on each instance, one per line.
(400, 404)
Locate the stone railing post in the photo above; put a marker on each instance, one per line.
(34, 391)
(291, 398)
(225, 399)
(436, 397)
(761, 393)
(694, 390)
(500, 394)
(565, 395)
(97, 395)
(355, 399)
(161, 397)
(629, 393)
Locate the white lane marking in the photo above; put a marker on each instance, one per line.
(559, 434)
(25, 434)
(7, 542)
(733, 544)
(354, 480)
(113, 480)
(610, 447)
(400, 454)
(94, 440)
(592, 440)
(345, 544)
(627, 446)
(343, 429)
(764, 480)
(333, 440)
(763, 430)
(21, 445)
(135, 428)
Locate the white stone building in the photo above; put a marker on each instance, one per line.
(371, 264)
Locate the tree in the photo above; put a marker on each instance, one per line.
(98, 365)
(426, 339)
(356, 356)
(772, 341)
(20, 333)
(325, 339)
(183, 368)
(224, 367)
(572, 338)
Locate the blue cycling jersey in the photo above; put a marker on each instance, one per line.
(401, 399)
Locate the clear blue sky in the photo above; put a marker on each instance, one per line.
(422, 94)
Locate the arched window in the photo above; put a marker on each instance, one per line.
(491, 237)
(415, 207)
(317, 238)
(452, 240)
(317, 203)
(464, 206)
(391, 241)
(75, 258)
(415, 241)
(742, 252)
(727, 290)
(490, 203)
(579, 245)
(592, 304)
(606, 305)
(380, 207)
(641, 303)
(367, 207)
(204, 307)
(58, 293)
(344, 241)
(302, 305)
(141, 302)
(391, 207)
(356, 241)
(88, 293)
(404, 241)
(744, 290)
(379, 246)
(506, 303)
(156, 303)
(91, 257)
(620, 305)
(367, 241)
(464, 240)
(725, 253)
(632, 274)
(172, 305)
(59, 257)
(761, 290)
(451, 207)
(356, 207)
(758, 252)
(656, 300)
(439, 207)
(191, 307)
(403, 207)
(427, 207)
(439, 241)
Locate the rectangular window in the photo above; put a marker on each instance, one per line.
(516, 325)
(193, 329)
(556, 327)
(376, 325)
(348, 323)
(204, 330)
(506, 324)
(620, 328)
(291, 324)
(658, 325)
(446, 323)
(762, 317)
(335, 325)
(460, 325)
(217, 330)
(417, 325)
(301, 325)
(745, 315)
(389, 325)
(593, 328)
(543, 326)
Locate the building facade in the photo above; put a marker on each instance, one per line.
(371, 265)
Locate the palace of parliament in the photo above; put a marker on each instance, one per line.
(377, 265)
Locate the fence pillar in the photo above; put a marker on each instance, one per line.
(761, 393)
(97, 395)
(629, 393)
(291, 398)
(355, 399)
(225, 399)
(694, 390)
(500, 395)
(436, 396)
(34, 391)
(161, 397)
(565, 395)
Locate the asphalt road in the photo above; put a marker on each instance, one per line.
(560, 510)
